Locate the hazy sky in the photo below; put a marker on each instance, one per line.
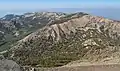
(36, 4)
(20, 6)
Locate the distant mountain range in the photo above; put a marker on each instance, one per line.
(111, 13)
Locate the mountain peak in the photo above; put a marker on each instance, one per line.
(71, 37)
(9, 17)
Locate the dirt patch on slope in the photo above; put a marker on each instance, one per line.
(114, 67)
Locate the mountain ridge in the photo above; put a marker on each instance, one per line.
(77, 37)
(16, 27)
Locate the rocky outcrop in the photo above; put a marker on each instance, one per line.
(8, 65)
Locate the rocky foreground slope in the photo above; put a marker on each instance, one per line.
(8, 65)
(77, 36)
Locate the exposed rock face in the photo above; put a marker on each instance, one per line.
(73, 37)
(8, 65)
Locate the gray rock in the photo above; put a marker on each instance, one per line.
(9, 65)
